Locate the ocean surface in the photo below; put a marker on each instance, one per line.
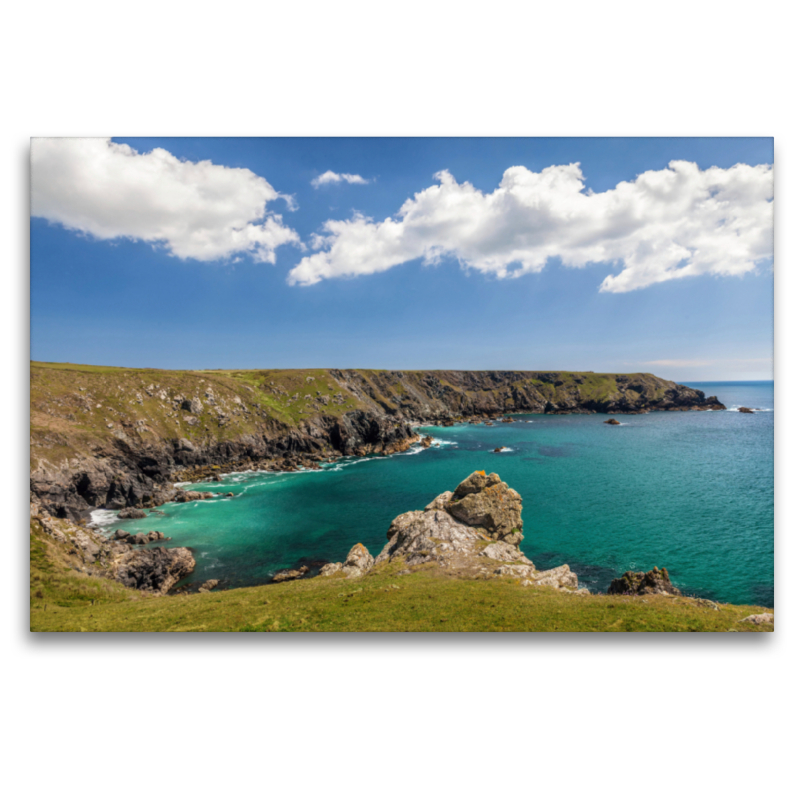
(690, 491)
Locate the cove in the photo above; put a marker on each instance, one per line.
(690, 491)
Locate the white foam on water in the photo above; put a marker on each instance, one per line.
(102, 518)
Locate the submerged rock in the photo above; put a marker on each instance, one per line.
(654, 582)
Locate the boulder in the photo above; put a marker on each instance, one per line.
(427, 441)
(486, 502)
(760, 619)
(611, 422)
(560, 578)
(289, 574)
(121, 535)
(330, 569)
(132, 513)
(654, 582)
(746, 410)
(358, 561)
(188, 497)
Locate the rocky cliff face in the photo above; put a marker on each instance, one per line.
(152, 570)
(473, 531)
(104, 437)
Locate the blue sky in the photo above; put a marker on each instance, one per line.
(108, 293)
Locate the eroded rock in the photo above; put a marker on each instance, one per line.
(358, 561)
(485, 501)
(155, 570)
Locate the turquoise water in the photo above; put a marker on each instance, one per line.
(690, 491)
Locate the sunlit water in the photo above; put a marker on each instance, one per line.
(690, 491)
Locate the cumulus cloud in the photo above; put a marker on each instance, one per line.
(196, 210)
(336, 177)
(666, 224)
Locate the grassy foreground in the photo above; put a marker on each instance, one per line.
(63, 599)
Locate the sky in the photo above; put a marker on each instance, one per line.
(612, 255)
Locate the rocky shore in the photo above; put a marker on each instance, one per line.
(153, 570)
(121, 438)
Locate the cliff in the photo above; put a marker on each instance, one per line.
(113, 437)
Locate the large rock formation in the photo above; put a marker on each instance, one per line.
(472, 531)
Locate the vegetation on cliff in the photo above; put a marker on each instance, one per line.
(112, 437)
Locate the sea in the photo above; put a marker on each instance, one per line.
(690, 491)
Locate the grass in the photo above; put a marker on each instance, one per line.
(425, 600)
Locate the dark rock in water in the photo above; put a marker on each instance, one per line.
(427, 441)
(654, 582)
(132, 513)
(611, 422)
(156, 570)
(229, 494)
(498, 450)
(209, 585)
(745, 410)
(188, 497)
(289, 574)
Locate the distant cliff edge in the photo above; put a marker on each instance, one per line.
(108, 437)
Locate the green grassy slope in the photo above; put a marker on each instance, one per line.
(63, 599)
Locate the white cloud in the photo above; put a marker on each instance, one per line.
(196, 210)
(336, 177)
(665, 224)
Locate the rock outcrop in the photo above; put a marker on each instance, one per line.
(746, 410)
(154, 570)
(289, 574)
(472, 531)
(654, 582)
